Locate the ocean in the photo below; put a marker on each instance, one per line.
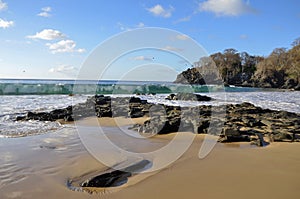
(20, 96)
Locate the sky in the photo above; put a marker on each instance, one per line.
(53, 39)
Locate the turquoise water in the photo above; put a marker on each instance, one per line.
(47, 87)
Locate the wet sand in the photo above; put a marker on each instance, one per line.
(40, 166)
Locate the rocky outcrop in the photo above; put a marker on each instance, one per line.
(278, 80)
(234, 122)
(54, 115)
(190, 76)
(98, 105)
(242, 122)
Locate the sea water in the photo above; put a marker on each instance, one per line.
(20, 96)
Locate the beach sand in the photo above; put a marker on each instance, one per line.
(40, 166)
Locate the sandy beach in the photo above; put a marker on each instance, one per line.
(40, 167)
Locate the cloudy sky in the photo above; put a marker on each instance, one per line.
(53, 38)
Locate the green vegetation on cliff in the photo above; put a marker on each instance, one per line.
(281, 69)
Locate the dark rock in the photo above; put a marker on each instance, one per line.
(135, 100)
(188, 97)
(20, 118)
(171, 97)
(112, 179)
(227, 131)
(192, 97)
(51, 147)
(190, 76)
(290, 83)
(242, 122)
(117, 177)
(68, 118)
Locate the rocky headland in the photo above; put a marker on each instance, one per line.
(281, 69)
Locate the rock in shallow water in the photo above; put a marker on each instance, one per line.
(188, 97)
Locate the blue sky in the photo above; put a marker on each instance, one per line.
(52, 38)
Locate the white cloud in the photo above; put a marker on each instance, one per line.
(160, 11)
(182, 37)
(171, 48)
(5, 24)
(184, 19)
(47, 9)
(62, 69)
(47, 34)
(123, 27)
(64, 46)
(226, 7)
(45, 12)
(140, 25)
(3, 6)
(143, 58)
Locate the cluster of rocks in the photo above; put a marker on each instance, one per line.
(54, 115)
(105, 106)
(239, 122)
(98, 105)
(253, 123)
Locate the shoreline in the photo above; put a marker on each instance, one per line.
(51, 162)
(229, 171)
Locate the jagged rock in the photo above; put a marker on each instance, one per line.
(190, 76)
(98, 105)
(188, 97)
(242, 121)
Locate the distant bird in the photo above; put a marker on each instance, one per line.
(24, 71)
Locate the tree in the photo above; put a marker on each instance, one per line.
(296, 42)
(281, 69)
